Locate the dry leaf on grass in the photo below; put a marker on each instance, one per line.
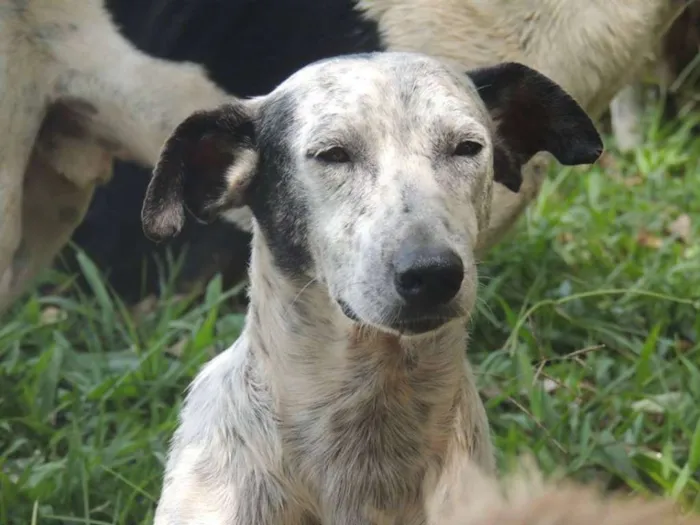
(681, 228)
(51, 315)
(683, 345)
(146, 306)
(565, 237)
(607, 161)
(647, 239)
(630, 182)
(178, 348)
(661, 403)
(549, 385)
(491, 392)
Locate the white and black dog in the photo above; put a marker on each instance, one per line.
(248, 47)
(347, 398)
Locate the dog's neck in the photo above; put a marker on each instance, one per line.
(298, 331)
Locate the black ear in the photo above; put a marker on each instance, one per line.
(532, 114)
(205, 167)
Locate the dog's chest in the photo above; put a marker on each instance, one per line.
(371, 446)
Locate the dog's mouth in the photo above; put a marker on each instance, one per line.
(412, 326)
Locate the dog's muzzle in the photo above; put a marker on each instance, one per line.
(426, 277)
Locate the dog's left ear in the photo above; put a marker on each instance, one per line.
(205, 167)
(532, 113)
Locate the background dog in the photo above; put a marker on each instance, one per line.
(74, 94)
(249, 47)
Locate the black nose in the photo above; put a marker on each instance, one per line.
(427, 275)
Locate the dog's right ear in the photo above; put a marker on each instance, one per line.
(205, 166)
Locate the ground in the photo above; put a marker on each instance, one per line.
(587, 345)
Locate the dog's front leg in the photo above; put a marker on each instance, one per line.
(221, 484)
(53, 205)
(21, 112)
(626, 111)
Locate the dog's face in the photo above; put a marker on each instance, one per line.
(371, 174)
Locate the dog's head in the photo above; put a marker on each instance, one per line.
(372, 174)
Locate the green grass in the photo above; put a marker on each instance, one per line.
(587, 343)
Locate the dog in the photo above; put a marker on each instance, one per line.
(248, 48)
(525, 497)
(347, 398)
(75, 94)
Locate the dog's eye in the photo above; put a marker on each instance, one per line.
(336, 155)
(468, 148)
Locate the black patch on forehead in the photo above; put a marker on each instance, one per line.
(279, 208)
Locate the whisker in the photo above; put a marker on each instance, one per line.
(296, 297)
